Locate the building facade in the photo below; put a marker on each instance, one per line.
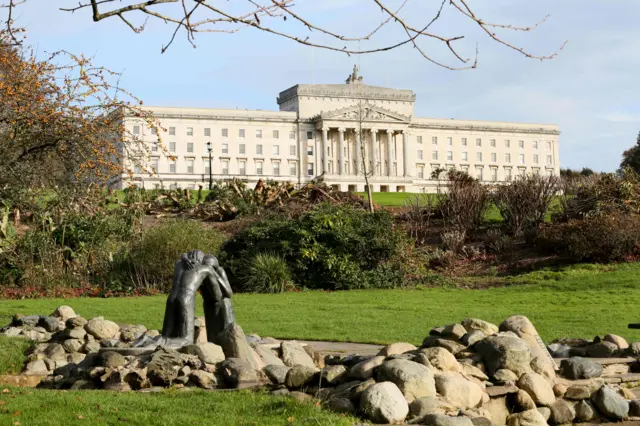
(326, 130)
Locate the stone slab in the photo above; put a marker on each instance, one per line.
(606, 361)
(130, 351)
(20, 380)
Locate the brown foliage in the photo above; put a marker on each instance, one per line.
(463, 203)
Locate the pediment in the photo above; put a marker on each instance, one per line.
(364, 112)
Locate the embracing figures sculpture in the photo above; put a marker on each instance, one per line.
(196, 271)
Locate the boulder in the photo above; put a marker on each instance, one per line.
(73, 345)
(585, 411)
(527, 418)
(276, 373)
(396, 349)
(64, 313)
(203, 379)
(485, 327)
(545, 411)
(559, 389)
(384, 403)
(472, 337)
(209, 353)
(430, 405)
(75, 333)
(543, 367)
(505, 376)
(112, 359)
(454, 331)
(634, 408)
(91, 347)
(36, 368)
(299, 376)
(457, 390)
(610, 403)
(577, 368)
(132, 332)
(471, 371)
(333, 374)
(558, 350)
(523, 328)
(577, 393)
(522, 401)
(55, 351)
(413, 379)
(163, 368)
(620, 342)
(562, 412)
(75, 322)
(49, 323)
(27, 321)
(341, 405)
(444, 420)
(266, 355)
(450, 345)
(441, 359)
(239, 374)
(504, 352)
(602, 350)
(234, 345)
(498, 409)
(101, 328)
(364, 369)
(538, 388)
(294, 354)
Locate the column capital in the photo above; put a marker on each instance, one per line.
(325, 128)
(342, 129)
(390, 131)
(406, 132)
(374, 130)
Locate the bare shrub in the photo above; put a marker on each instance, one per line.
(495, 241)
(453, 240)
(420, 209)
(463, 203)
(524, 203)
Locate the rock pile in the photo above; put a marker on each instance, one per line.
(472, 373)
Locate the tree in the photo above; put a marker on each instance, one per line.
(365, 171)
(631, 157)
(281, 18)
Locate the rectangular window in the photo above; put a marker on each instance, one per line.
(450, 141)
(241, 133)
(465, 156)
(310, 150)
(507, 158)
(434, 140)
(310, 135)
(494, 174)
(549, 145)
(276, 134)
(154, 165)
(242, 168)
(549, 160)
(225, 148)
(225, 167)
(449, 155)
(154, 147)
(507, 174)
(258, 149)
(478, 156)
(521, 158)
(507, 144)
(293, 169)
(225, 133)
(478, 142)
(521, 144)
(242, 149)
(464, 141)
(172, 131)
(259, 168)
(189, 131)
(494, 157)
(276, 169)
(479, 173)
(190, 147)
(258, 134)
(492, 142)
(550, 172)
(434, 155)
(136, 130)
(292, 150)
(292, 135)
(172, 166)
(420, 172)
(419, 154)
(419, 139)
(207, 131)
(205, 163)
(137, 169)
(172, 147)
(154, 131)
(189, 166)
(276, 150)
(522, 171)
(535, 158)
(535, 144)
(310, 169)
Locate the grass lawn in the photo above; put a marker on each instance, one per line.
(172, 407)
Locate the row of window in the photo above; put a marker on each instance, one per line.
(224, 149)
(494, 157)
(493, 171)
(492, 142)
(242, 167)
(137, 130)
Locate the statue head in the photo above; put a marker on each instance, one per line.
(193, 258)
(210, 261)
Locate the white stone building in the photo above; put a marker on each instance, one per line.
(321, 130)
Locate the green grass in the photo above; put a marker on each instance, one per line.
(12, 354)
(171, 407)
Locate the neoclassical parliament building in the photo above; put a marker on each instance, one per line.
(325, 129)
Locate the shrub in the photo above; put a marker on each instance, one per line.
(605, 238)
(464, 202)
(420, 209)
(149, 262)
(524, 203)
(453, 240)
(329, 247)
(495, 241)
(265, 273)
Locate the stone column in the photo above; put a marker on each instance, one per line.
(374, 156)
(325, 154)
(389, 152)
(341, 154)
(405, 152)
(358, 152)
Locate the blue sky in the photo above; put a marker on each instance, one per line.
(590, 90)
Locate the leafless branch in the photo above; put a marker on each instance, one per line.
(264, 15)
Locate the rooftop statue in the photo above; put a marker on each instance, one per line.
(353, 77)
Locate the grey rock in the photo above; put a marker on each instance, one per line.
(602, 349)
(208, 353)
(558, 350)
(457, 390)
(299, 375)
(487, 328)
(436, 331)
(49, 323)
(239, 374)
(384, 403)
(364, 370)
(300, 397)
(84, 385)
(75, 322)
(471, 371)
(522, 401)
(101, 328)
(504, 352)
(450, 345)
(333, 374)
(75, 333)
(413, 379)
(455, 331)
(203, 379)
(634, 408)
(91, 347)
(538, 388)
(396, 349)
(562, 412)
(133, 332)
(585, 411)
(577, 393)
(280, 392)
(55, 351)
(267, 355)
(527, 418)
(163, 368)
(441, 359)
(111, 359)
(577, 368)
(28, 321)
(341, 405)
(472, 337)
(444, 420)
(430, 405)
(73, 345)
(505, 376)
(294, 354)
(620, 342)
(544, 367)
(12, 331)
(496, 391)
(481, 421)
(276, 373)
(634, 349)
(36, 368)
(64, 313)
(610, 403)
(545, 411)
